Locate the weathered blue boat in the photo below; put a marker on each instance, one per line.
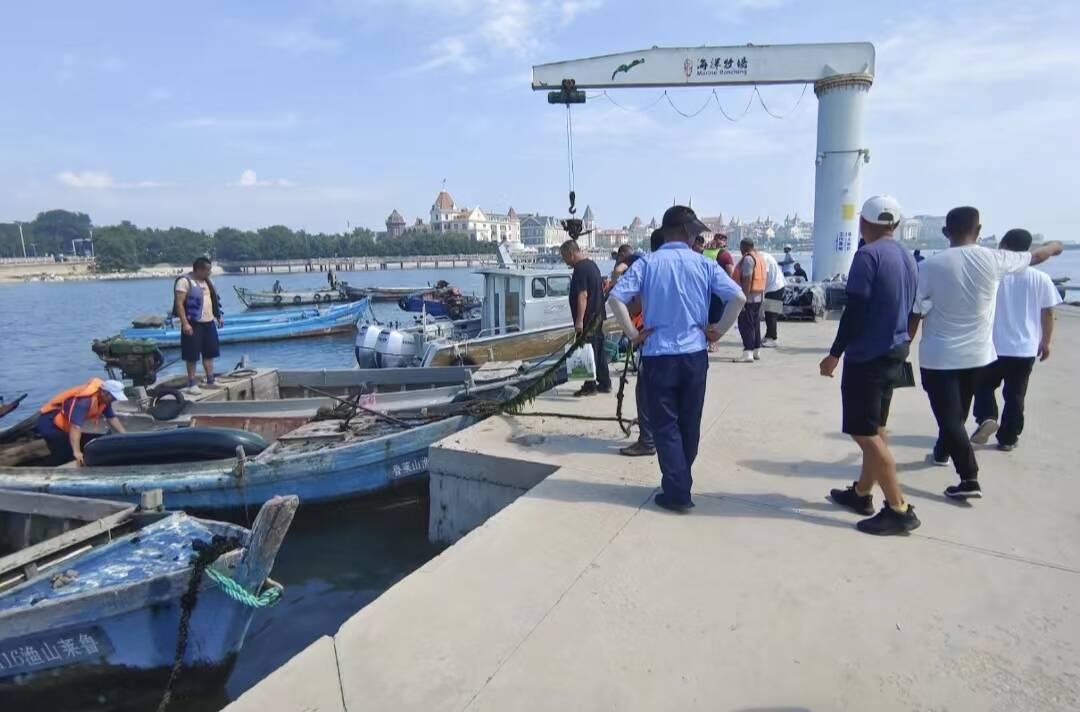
(93, 591)
(318, 460)
(272, 327)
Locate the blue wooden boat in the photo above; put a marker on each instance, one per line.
(318, 460)
(337, 319)
(91, 591)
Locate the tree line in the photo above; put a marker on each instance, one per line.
(126, 246)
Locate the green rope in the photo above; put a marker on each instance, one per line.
(237, 592)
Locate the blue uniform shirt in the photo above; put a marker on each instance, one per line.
(47, 428)
(675, 284)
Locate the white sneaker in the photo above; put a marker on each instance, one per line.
(757, 355)
(768, 344)
(982, 434)
(193, 391)
(747, 357)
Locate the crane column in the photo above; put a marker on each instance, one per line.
(841, 154)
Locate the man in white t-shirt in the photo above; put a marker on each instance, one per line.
(956, 298)
(1023, 326)
(774, 298)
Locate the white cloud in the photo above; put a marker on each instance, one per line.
(249, 179)
(99, 180)
(302, 40)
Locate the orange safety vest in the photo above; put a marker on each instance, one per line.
(90, 389)
(757, 281)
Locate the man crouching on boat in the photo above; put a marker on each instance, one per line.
(62, 419)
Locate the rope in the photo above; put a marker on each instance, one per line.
(239, 594)
(569, 149)
(683, 114)
(634, 109)
(789, 113)
(624, 426)
(746, 110)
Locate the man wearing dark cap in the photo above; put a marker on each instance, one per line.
(676, 285)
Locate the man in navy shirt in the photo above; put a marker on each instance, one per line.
(587, 306)
(873, 338)
(675, 285)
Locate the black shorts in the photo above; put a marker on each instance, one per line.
(203, 342)
(867, 390)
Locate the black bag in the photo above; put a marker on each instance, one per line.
(905, 377)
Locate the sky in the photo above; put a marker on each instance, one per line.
(331, 113)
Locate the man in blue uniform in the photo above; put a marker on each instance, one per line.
(676, 285)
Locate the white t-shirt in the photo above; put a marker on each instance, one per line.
(1018, 320)
(774, 277)
(957, 297)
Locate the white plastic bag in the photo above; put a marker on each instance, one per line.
(581, 366)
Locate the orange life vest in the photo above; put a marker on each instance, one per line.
(757, 281)
(90, 389)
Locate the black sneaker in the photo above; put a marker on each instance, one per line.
(665, 502)
(888, 522)
(638, 449)
(967, 489)
(939, 461)
(858, 503)
(603, 389)
(585, 391)
(1007, 447)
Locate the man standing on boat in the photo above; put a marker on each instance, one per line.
(873, 339)
(62, 419)
(676, 286)
(587, 307)
(197, 305)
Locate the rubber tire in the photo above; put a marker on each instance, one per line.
(298, 300)
(163, 409)
(277, 299)
(317, 298)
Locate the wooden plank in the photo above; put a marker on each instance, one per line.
(54, 505)
(267, 533)
(23, 452)
(30, 554)
(338, 378)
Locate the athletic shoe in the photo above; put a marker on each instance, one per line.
(888, 521)
(664, 502)
(768, 344)
(638, 449)
(604, 390)
(982, 433)
(193, 391)
(747, 357)
(757, 355)
(858, 503)
(585, 391)
(967, 489)
(1007, 447)
(933, 460)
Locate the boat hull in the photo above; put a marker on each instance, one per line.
(257, 300)
(519, 346)
(334, 473)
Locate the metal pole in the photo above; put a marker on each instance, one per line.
(21, 240)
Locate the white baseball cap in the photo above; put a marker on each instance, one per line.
(114, 389)
(881, 210)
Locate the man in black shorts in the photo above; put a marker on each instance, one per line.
(197, 306)
(873, 338)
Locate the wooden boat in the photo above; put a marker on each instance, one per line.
(446, 302)
(91, 593)
(336, 319)
(377, 294)
(317, 460)
(253, 299)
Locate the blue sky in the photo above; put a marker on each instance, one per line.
(325, 112)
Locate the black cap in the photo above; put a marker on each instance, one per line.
(682, 216)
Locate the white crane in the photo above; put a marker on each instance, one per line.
(841, 75)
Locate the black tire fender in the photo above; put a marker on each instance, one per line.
(168, 404)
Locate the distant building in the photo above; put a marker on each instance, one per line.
(637, 232)
(540, 231)
(924, 228)
(481, 225)
(611, 239)
(395, 224)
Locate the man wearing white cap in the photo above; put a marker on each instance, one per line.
(873, 339)
(63, 417)
(787, 264)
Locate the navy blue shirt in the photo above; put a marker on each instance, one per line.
(586, 278)
(881, 291)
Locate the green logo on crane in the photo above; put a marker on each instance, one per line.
(625, 68)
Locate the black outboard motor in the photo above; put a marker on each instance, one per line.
(136, 359)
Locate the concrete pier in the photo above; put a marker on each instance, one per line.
(577, 593)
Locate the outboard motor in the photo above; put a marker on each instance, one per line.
(137, 359)
(367, 338)
(397, 349)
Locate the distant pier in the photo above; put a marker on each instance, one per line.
(356, 264)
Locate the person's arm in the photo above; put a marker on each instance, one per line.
(724, 288)
(178, 306)
(1043, 253)
(115, 424)
(859, 291)
(75, 440)
(579, 314)
(1047, 332)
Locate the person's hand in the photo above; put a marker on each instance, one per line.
(579, 326)
(828, 365)
(1044, 351)
(188, 329)
(80, 461)
(220, 321)
(639, 339)
(713, 333)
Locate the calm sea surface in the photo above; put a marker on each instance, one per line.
(337, 558)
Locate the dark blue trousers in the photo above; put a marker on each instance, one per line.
(676, 396)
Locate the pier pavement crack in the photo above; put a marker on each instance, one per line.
(553, 606)
(340, 681)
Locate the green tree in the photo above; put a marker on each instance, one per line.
(117, 248)
(53, 230)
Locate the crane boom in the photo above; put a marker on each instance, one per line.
(711, 66)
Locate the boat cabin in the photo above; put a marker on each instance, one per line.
(517, 299)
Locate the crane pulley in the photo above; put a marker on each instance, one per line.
(570, 94)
